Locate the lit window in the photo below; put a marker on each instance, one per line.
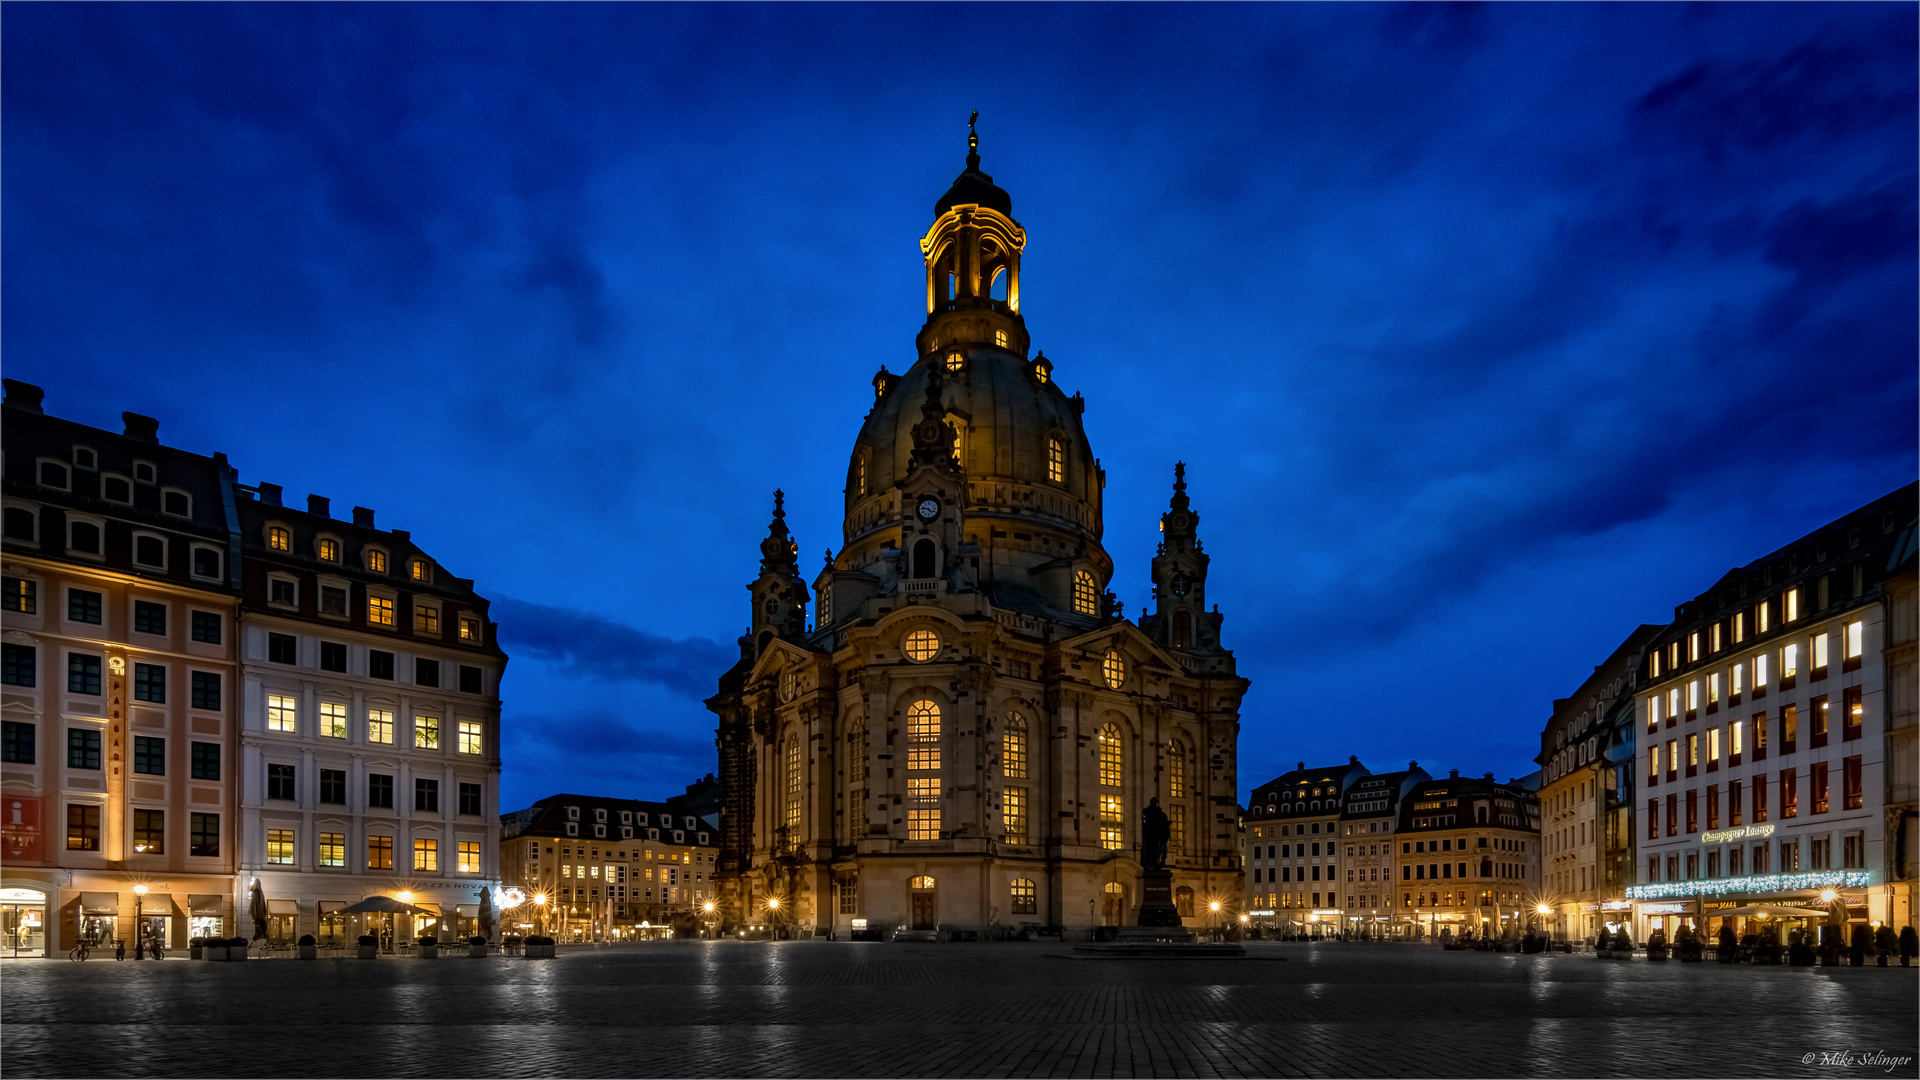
(1739, 628)
(1112, 823)
(426, 732)
(1111, 759)
(469, 628)
(860, 474)
(1693, 646)
(279, 539)
(1739, 679)
(1789, 661)
(376, 561)
(1176, 771)
(1854, 631)
(333, 720)
(1086, 595)
(923, 736)
(922, 645)
(379, 852)
(469, 856)
(333, 849)
(426, 619)
(923, 825)
(283, 713)
(795, 782)
(923, 789)
(1024, 897)
(1113, 669)
(379, 611)
(280, 846)
(1791, 608)
(954, 361)
(1056, 459)
(426, 854)
(420, 571)
(1819, 654)
(469, 736)
(1760, 672)
(1763, 619)
(380, 726)
(1013, 814)
(330, 550)
(1734, 741)
(1000, 338)
(1013, 748)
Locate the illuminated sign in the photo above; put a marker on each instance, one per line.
(1663, 909)
(1326, 911)
(1260, 912)
(1823, 879)
(859, 924)
(1617, 905)
(1721, 836)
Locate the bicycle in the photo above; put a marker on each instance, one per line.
(156, 952)
(78, 952)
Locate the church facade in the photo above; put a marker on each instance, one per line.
(965, 736)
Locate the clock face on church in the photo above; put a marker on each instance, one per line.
(929, 509)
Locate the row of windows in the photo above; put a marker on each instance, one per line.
(86, 606)
(283, 785)
(1676, 701)
(87, 537)
(1733, 631)
(328, 549)
(19, 667)
(1729, 743)
(53, 474)
(1852, 797)
(1734, 862)
(330, 850)
(285, 649)
(149, 831)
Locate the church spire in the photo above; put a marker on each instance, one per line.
(1180, 619)
(779, 596)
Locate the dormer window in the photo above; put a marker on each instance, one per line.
(85, 458)
(329, 550)
(175, 502)
(376, 560)
(626, 832)
(600, 815)
(279, 538)
(116, 489)
(469, 628)
(54, 475)
(573, 829)
(626, 817)
(641, 817)
(955, 361)
(573, 813)
(420, 570)
(1000, 338)
(144, 473)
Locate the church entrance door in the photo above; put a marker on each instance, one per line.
(925, 916)
(1113, 910)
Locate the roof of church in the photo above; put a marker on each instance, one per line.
(974, 186)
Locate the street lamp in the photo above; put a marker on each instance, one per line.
(139, 920)
(540, 916)
(1213, 909)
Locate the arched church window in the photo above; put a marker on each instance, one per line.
(1176, 771)
(1086, 594)
(1023, 898)
(924, 557)
(1112, 759)
(1013, 748)
(1182, 630)
(923, 736)
(793, 788)
(1183, 901)
(1113, 669)
(998, 290)
(860, 475)
(856, 779)
(1056, 459)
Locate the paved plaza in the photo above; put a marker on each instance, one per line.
(837, 1009)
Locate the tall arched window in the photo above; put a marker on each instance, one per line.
(923, 768)
(1086, 594)
(1176, 794)
(857, 780)
(1056, 459)
(859, 475)
(1013, 748)
(1023, 898)
(793, 787)
(1182, 630)
(924, 557)
(1113, 810)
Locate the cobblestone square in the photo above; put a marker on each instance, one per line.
(869, 1009)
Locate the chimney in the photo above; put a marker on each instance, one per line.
(24, 396)
(402, 534)
(1303, 766)
(317, 506)
(270, 493)
(1353, 759)
(141, 428)
(1489, 778)
(1453, 774)
(363, 517)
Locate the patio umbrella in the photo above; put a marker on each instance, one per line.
(257, 908)
(486, 912)
(385, 905)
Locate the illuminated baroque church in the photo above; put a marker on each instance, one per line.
(967, 734)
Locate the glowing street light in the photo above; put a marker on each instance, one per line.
(139, 920)
(1827, 895)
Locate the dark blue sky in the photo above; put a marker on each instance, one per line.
(1488, 332)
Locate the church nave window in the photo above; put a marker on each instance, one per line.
(1013, 748)
(1086, 594)
(923, 736)
(1056, 459)
(921, 646)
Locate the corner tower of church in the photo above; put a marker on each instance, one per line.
(964, 739)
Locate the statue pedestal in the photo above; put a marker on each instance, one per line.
(1159, 919)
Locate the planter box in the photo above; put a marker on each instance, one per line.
(540, 952)
(309, 952)
(238, 952)
(429, 952)
(214, 952)
(369, 952)
(476, 950)
(194, 951)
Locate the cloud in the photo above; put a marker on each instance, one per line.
(597, 648)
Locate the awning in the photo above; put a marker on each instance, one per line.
(468, 911)
(156, 903)
(429, 909)
(283, 907)
(99, 903)
(327, 906)
(204, 905)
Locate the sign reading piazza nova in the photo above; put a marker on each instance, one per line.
(1824, 879)
(1738, 832)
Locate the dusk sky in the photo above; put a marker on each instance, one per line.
(1488, 333)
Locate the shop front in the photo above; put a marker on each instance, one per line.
(153, 918)
(206, 915)
(23, 921)
(96, 918)
(283, 918)
(1750, 904)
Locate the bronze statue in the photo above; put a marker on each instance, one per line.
(1155, 827)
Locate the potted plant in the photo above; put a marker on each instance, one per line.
(510, 944)
(309, 948)
(1729, 948)
(1909, 945)
(1767, 951)
(369, 947)
(429, 948)
(539, 947)
(1830, 945)
(1799, 952)
(195, 947)
(476, 946)
(1860, 946)
(1657, 945)
(214, 948)
(1690, 947)
(1885, 941)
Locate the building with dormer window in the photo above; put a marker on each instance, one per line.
(965, 736)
